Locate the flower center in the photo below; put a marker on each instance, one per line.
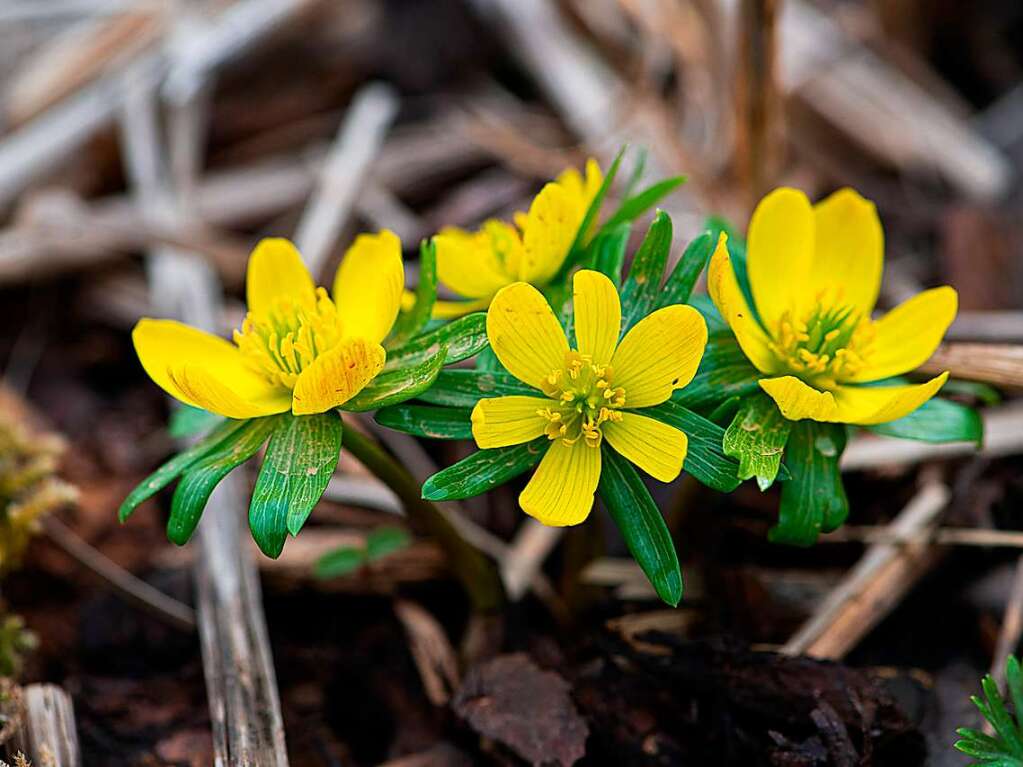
(283, 340)
(823, 345)
(585, 399)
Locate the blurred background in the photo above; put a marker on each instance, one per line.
(146, 145)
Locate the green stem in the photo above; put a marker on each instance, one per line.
(477, 573)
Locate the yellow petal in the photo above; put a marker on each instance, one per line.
(204, 371)
(450, 310)
(655, 447)
(594, 179)
(468, 264)
(659, 354)
(337, 375)
(561, 491)
(550, 229)
(276, 269)
(797, 400)
(598, 315)
(779, 254)
(368, 286)
(848, 251)
(525, 335)
(728, 297)
(869, 405)
(512, 420)
(907, 336)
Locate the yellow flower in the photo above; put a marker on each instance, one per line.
(478, 264)
(814, 273)
(588, 394)
(297, 349)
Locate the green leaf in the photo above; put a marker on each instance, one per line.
(464, 388)
(683, 277)
(483, 471)
(757, 437)
(593, 211)
(187, 421)
(641, 524)
(637, 205)
(341, 561)
(637, 172)
(937, 420)
(199, 480)
(427, 421)
(385, 541)
(607, 253)
(170, 471)
(705, 459)
(642, 286)
(299, 462)
(813, 500)
(724, 372)
(394, 386)
(487, 361)
(982, 392)
(463, 338)
(415, 319)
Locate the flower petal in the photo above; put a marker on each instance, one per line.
(869, 405)
(798, 400)
(907, 336)
(337, 375)
(469, 264)
(175, 356)
(524, 333)
(504, 421)
(276, 269)
(659, 354)
(561, 491)
(549, 231)
(779, 254)
(848, 251)
(655, 447)
(368, 286)
(598, 315)
(452, 310)
(728, 297)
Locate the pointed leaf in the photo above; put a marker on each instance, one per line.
(683, 277)
(200, 479)
(641, 524)
(594, 210)
(427, 421)
(394, 386)
(607, 253)
(483, 471)
(705, 459)
(299, 462)
(814, 499)
(413, 321)
(341, 561)
(937, 420)
(757, 437)
(642, 286)
(637, 205)
(385, 541)
(463, 338)
(464, 388)
(170, 471)
(187, 421)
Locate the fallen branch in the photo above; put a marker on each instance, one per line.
(47, 734)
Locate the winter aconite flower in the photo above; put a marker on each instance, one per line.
(814, 274)
(298, 349)
(584, 395)
(477, 264)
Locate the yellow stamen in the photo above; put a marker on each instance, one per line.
(583, 398)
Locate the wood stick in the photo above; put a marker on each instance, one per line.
(47, 735)
(993, 327)
(344, 172)
(1003, 435)
(942, 536)
(525, 556)
(875, 584)
(241, 684)
(998, 364)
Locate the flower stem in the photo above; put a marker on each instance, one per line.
(478, 575)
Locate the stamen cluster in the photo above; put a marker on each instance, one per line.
(586, 399)
(824, 344)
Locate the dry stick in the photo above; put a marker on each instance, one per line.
(344, 172)
(1003, 435)
(133, 589)
(999, 364)
(532, 545)
(47, 734)
(993, 327)
(942, 536)
(877, 582)
(247, 725)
